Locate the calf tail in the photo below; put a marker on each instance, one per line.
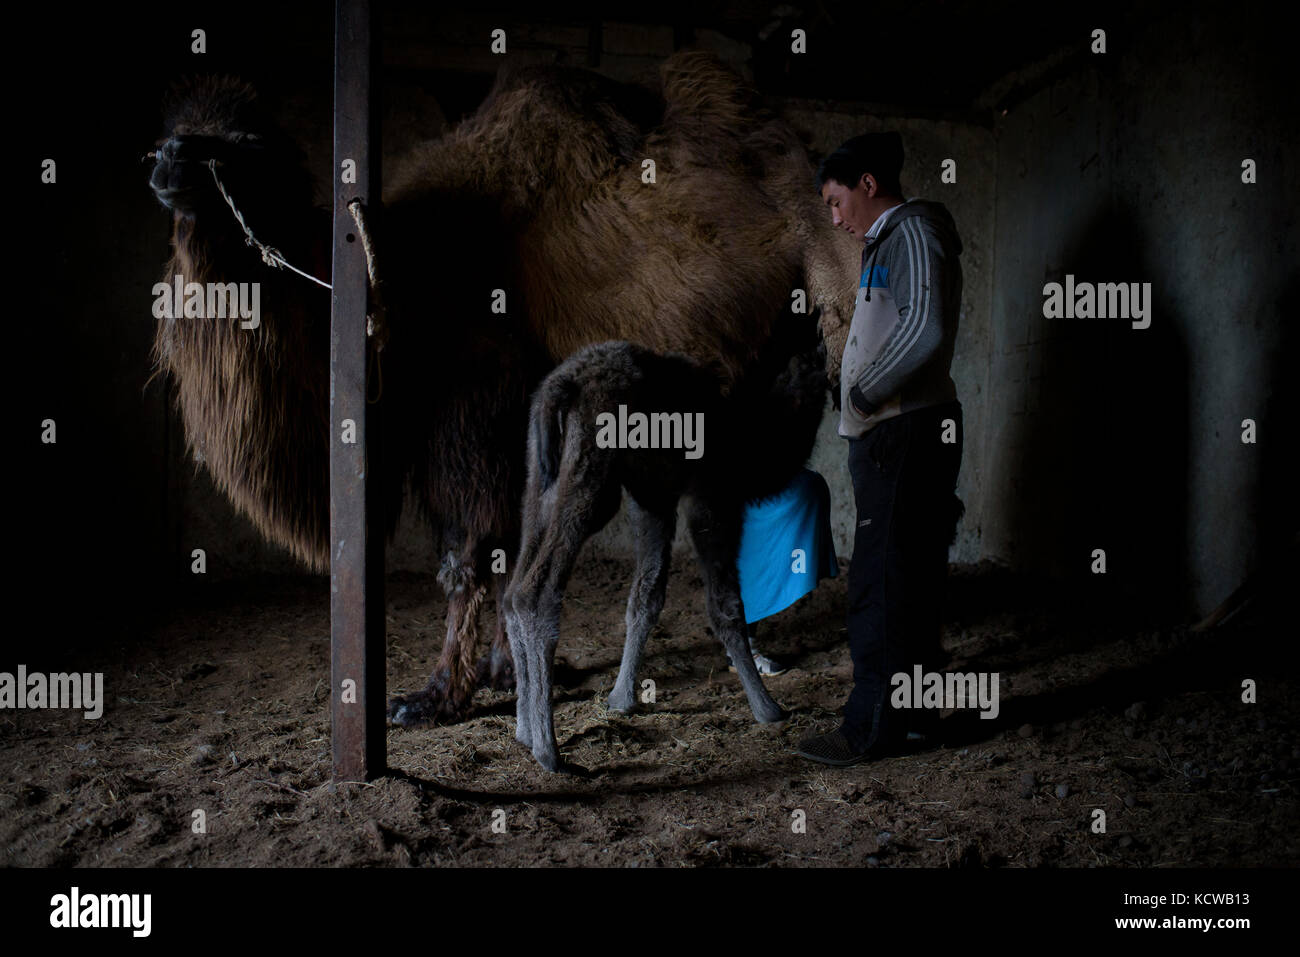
(547, 427)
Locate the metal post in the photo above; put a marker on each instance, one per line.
(356, 518)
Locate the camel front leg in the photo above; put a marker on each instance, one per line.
(653, 528)
(447, 696)
(533, 636)
(529, 556)
(496, 669)
(715, 532)
(523, 678)
(554, 534)
(534, 600)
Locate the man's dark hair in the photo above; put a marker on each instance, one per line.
(880, 154)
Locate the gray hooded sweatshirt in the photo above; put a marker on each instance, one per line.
(901, 339)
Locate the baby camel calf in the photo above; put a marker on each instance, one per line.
(584, 446)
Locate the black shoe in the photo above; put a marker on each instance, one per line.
(845, 746)
(834, 749)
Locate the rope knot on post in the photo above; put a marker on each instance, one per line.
(376, 318)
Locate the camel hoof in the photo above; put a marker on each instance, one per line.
(409, 712)
(425, 707)
(549, 760)
(770, 715)
(621, 706)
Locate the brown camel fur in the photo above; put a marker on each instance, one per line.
(697, 262)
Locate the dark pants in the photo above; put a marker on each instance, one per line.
(904, 478)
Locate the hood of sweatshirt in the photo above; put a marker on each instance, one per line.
(936, 213)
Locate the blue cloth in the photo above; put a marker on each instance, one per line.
(797, 517)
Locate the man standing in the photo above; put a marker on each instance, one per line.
(900, 413)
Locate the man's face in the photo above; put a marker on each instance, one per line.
(849, 207)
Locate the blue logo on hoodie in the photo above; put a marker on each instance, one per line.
(879, 278)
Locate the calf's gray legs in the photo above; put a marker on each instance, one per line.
(654, 528)
(715, 532)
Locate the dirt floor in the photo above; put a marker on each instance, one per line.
(224, 709)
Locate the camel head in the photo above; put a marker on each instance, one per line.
(218, 118)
